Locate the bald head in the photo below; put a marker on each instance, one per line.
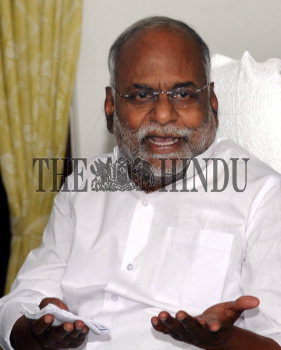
(140, 28)
(159, 57)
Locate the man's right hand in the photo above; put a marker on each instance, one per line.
(40, 334)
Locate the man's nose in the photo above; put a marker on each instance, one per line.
(163, 112)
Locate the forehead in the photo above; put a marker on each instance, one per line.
(160, 57)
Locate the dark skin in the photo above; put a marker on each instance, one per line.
(160, 58)
(214, 329)
(161, 62)
(40, 334)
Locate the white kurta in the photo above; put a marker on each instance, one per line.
(121, 257)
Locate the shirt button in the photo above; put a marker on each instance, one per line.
(130, 267)
(114, 297)
(144, 202)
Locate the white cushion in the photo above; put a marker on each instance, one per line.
(249, 95)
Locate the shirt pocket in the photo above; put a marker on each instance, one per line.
(191, 268)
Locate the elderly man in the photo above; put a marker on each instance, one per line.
(124, 258)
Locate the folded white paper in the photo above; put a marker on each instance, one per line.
(34, 312)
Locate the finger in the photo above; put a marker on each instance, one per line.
(245, 303)
(214, 325)
(158, 326)
(55, 301)
(78, 336)
(222, 318)
(56, 335)
(77, 330)
(165, 326)
(168, 321)
(44, 323)
(212, 322)
(162, 323)
(85, 331)
(190, 324)
(230, 313)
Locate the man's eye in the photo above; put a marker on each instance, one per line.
(184, 94)
(141, 96)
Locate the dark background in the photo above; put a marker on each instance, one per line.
(5, 236)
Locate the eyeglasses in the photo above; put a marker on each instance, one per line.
(181, 97)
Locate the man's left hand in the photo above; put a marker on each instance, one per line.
(211, 329)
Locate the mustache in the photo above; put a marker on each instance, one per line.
(145, 131)
(132, 142)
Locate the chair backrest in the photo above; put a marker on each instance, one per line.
(249, 95)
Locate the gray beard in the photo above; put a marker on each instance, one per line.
(132, 148)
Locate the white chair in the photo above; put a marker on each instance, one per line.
(249, 95)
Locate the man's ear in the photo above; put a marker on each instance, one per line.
(109, 108)
(214, 103)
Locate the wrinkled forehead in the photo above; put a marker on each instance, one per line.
(160, 51)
